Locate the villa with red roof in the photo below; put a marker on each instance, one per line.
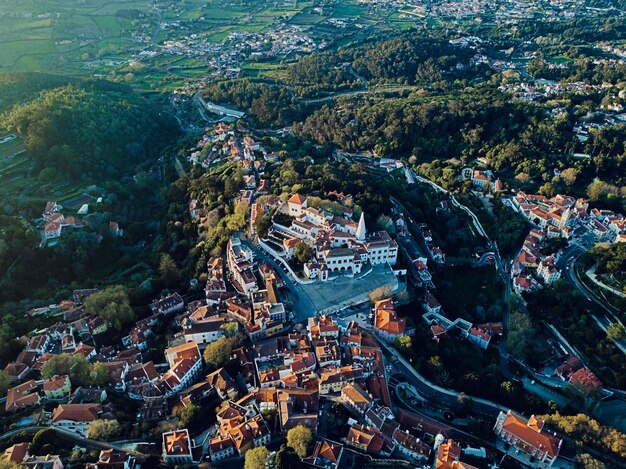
(387, 325)
(177, 447)
(528, 437)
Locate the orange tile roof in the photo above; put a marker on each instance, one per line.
(54, 383)
(365, 437)
(530, 433)
(177, 443)
(387, 320)
(329, 450)
(16, 453)
(22, 395)
(585, 378)
(76, 412)
(448, 456)
(297, 199)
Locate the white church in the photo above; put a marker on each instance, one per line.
(340, 245)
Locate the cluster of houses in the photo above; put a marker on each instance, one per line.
(18, 455)
(339, 244)
(55, 221)
(63, 337)
(435, 252)
(482, 179)
(289, 375)
(573, 371)
(555, 217)
(531, 257)
(480, 335)
(543, 88)
(222, 142)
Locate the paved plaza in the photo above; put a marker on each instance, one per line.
(342, 291)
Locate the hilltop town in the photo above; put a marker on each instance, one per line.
(328, 234)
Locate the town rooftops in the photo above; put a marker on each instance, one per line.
(356, 394)
(220, 444)
(585, 379)
(366, 438)
(76, 412)
(16, 453)
(529, 432)
(387, 320)
(297, 199)
(167, 304)
(177, 443)
(55, 383)
(112, 458)
(327, 454)
(448, 456)
(22, 395)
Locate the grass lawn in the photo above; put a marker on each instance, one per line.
(216, 13)
(348, 9)
(305, 19)
(220, 35)
(191, 15)
(11, 51)
(109, 25)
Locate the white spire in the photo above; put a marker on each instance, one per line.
(360, 231)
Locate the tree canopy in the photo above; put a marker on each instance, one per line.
(299, 438)
(112, 305)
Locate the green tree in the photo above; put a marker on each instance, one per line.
(299, 438)
(47, 437)
(262, 226)
(5, 382)
(521, 334)
(586, 461)
(75, 366)
(112, 305)
(287, 458)
(217, 353)
(230, 328)
(380, 293)
(597, 190)
(8, 465)
(103, 430)
(569, 176)
(191, 417)
(99, 375)
(404, 344)
(256, 458)
(548, 190)
(616, 331)
(303, 252)
(168, 270)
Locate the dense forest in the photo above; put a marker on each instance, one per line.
(102, 138)
(19, 87)
(94, 129)
(427, 127)
(267, 104)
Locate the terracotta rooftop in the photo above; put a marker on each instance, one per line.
(76, 412)
(529, 432)
(16, 453)
(55, 383)
(297, 199)
(177, 443)
(21, 396)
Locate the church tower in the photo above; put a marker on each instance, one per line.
(360, 231)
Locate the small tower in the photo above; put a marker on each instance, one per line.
(360, 231)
